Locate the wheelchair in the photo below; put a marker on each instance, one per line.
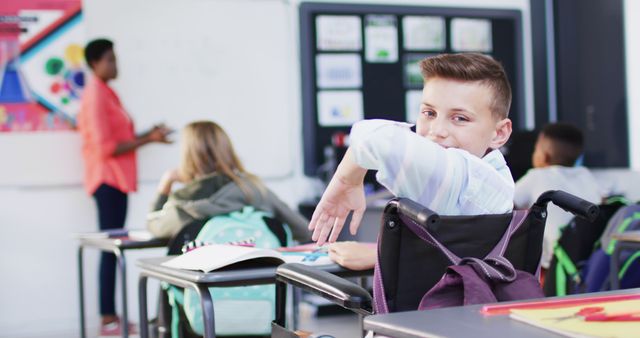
(408, 266)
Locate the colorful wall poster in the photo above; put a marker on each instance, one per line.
(339, 108)
(338, 71)
(471, 35)
(413, 99)
(423, 32)
(41, 65)
(381, 39)
(338, 33)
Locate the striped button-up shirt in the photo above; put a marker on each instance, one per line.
(447, 181)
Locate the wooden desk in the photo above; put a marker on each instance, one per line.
(117, 246)
(624, 241)
(460, 321)
(201, 281)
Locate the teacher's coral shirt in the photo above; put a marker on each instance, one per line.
(103, 123)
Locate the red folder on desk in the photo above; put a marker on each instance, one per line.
(503, 309)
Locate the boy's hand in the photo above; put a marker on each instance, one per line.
(353, 255)
(339, 198)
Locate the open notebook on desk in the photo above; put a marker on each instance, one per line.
(215, 256)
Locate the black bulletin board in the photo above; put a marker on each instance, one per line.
(384, 85)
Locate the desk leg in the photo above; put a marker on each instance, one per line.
(142, 300)
(615, 267)
(363, 283)
(81, 291)
(207, 311)
(123, 274)
(296, 296)
(281, 303)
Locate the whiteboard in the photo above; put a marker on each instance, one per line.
(229, 61)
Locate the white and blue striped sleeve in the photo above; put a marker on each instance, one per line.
(409, 165)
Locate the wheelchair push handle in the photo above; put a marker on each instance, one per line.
(570, 203)
(418, 213)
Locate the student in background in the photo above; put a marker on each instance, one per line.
(108, 149)
(215, 183)
(557, 149)
(451, 164)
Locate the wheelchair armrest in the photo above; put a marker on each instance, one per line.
(569, 203)
(327, 285)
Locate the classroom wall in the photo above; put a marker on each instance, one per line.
(38, 222)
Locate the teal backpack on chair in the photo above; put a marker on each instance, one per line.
(244, 310)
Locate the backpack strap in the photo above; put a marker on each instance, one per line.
(622, 228)
(564, 267)
(380, 305)
(627, 264)
(176, 300)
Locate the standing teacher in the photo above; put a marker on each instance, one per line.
(108, 148)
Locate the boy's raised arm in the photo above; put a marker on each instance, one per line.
(410, 165)
(404, 167)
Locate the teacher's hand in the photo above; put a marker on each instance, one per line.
(159, 134)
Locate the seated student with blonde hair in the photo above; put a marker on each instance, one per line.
(215, 183)
(451, 164)
(557, 149)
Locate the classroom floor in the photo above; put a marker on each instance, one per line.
(339, 326)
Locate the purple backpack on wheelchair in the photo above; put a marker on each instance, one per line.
(470, 280)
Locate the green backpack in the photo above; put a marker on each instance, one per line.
(244, 310)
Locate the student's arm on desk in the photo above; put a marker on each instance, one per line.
(354, 255)
(166, 221)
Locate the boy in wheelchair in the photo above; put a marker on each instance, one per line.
(449, 174)
(450, 164)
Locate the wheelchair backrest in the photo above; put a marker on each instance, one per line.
(410, 267)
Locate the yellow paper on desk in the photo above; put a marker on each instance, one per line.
(576, 326)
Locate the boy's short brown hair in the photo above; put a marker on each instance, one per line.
(472, 67)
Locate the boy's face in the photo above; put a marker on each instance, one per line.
(457, 114)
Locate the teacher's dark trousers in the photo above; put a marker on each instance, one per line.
(112, 212)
